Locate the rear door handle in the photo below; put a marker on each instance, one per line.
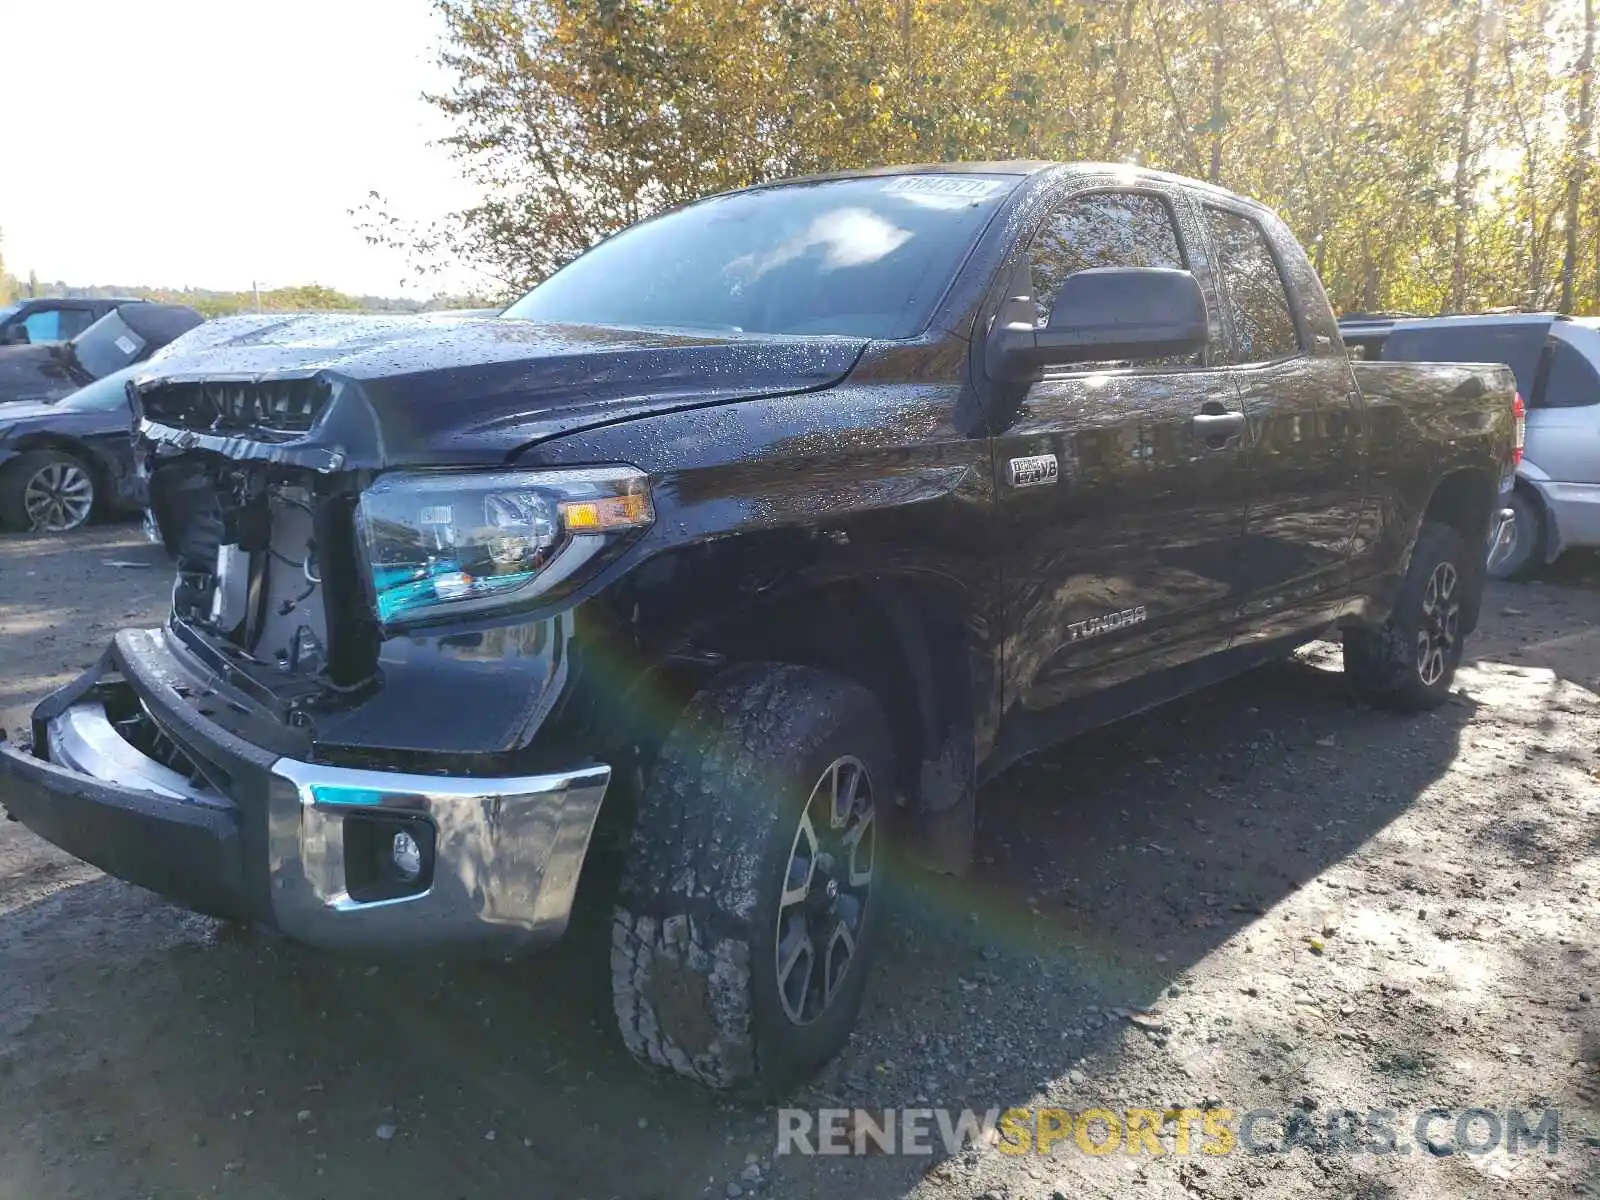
(1217, 428)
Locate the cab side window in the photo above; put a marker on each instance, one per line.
(74, 321)
(1107, 229)
(1253, 289)
(43, 326)
(1104, 229)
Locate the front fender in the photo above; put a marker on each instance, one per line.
(880, 485)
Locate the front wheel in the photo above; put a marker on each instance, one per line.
(752, 887)
(46, 491)
(1409, 662)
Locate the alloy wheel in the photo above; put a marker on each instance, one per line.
(58, 498)
(1441, 619)
(827, 886)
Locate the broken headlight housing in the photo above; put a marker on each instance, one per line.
(446, 544)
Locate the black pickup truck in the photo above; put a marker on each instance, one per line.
(767, 529)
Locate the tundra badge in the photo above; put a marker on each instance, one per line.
(1095, 626)
(1034, 471)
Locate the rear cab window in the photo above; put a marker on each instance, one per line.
(74, 320)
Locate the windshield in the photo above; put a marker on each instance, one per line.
(106, 346)
(8, 310)
(102, 395)
(868, 257)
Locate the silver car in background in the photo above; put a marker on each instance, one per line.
(1555, 505)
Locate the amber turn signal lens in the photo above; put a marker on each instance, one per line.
(607, 513)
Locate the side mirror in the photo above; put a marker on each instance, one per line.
(17, 335)
(1104, 313)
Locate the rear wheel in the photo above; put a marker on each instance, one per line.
(1409, 662)
(46, 491)
(1528, 534)
(744, 923)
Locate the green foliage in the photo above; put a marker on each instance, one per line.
(1419, 147)
(310, 297)
(7, 284)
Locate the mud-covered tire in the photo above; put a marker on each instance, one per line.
(1389, 667)
(695, 938)
(1527, 552)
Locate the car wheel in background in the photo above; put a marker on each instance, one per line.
(1526, 553)
(46, 491)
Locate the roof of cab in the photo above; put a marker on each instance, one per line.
(1021, 168)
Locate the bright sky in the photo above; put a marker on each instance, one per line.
(209, 143)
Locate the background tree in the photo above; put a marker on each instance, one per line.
(1578, 156)
(1432, 154)
(7, 284)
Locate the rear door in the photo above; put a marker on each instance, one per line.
(1122, 515)
(1306, 428)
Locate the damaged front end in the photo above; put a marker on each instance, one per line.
(314, 739)
(268, 587)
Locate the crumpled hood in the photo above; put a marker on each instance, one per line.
(417, 390)
(32, 373)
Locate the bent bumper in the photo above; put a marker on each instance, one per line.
(301, 846)
(1575, 511)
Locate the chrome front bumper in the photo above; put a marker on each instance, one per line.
(507, 852)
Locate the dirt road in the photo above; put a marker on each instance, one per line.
(1264, 897)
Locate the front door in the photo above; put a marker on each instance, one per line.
(1121, 486)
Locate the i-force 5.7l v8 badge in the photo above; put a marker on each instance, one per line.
(1034, 470)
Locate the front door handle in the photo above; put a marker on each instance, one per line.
(1217, 429)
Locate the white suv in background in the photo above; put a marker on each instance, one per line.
(1557, 364)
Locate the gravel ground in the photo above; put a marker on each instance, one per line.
(1263, 897)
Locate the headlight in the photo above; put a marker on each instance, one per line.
(442, 544)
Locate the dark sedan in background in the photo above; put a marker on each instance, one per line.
(128, 334)
(60, 460)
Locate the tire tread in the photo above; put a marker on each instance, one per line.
(689, 892)
(1381, 662)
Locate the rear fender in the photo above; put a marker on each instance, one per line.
(1537, 481)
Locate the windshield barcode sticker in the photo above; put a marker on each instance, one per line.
(964, 187)
(127, 345)
(435, 514)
